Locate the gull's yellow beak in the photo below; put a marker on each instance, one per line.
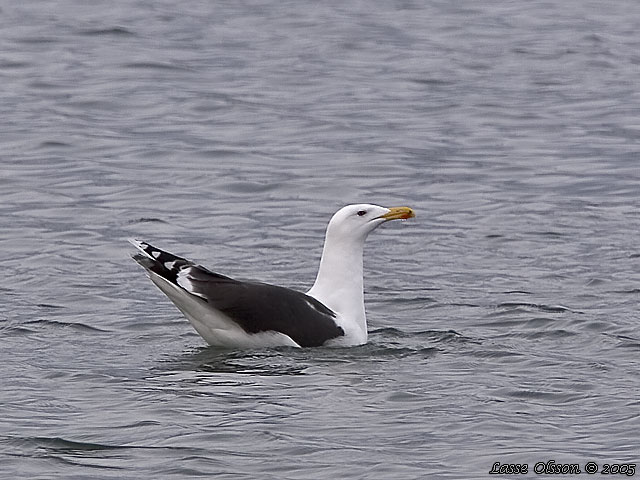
(396, 213)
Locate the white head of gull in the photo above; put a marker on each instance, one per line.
(340, 281)
(238, 314)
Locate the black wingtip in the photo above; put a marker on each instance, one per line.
(162, 263)
(143, 260)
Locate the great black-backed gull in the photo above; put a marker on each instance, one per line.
(238, 314)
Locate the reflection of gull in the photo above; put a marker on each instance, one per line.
(231, 313)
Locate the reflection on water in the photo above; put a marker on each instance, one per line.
(384, 344)
(214, 360)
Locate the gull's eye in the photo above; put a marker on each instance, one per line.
(362, 213)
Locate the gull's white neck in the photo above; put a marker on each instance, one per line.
(340, 284)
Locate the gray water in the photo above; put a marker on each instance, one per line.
(504, 321)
